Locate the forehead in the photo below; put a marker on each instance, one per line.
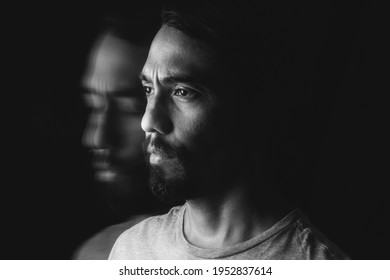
(114, 62)
(173, 52)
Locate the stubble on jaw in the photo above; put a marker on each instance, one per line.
(168, 181)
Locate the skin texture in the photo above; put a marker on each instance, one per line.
(187, 108)
(181, 102)
(114, 95)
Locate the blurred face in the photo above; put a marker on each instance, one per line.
(115, 97)
(180, 78)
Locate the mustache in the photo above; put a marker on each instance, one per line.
(157, 145)
(101, 159)
(165, 150)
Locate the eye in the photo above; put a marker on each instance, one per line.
(94, 101)
(184, 94)
(147, 90)
(181, 92)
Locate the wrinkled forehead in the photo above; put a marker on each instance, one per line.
(114, 63)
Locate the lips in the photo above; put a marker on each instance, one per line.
(104, 168)
(157, 156)
(160, 152)
(107, 165)
(152, 150)
(100, 164)
(103, 159)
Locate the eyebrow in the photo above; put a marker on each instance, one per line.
(142, 77)
(171, 79)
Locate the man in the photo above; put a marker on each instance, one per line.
(202, 82)
(113, 133)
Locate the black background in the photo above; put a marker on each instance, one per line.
(48, 202)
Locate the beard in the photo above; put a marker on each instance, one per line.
(175, 183)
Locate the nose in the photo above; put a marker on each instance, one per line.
(157, 116)
(96, 134)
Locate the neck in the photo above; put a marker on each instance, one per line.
(230, 218)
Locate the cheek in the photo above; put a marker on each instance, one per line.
(194, 128)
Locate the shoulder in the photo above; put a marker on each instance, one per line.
(153, 223)
(143, 236)
(98, 246)
(314, 244)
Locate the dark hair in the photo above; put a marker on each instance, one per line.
(225, 25)
(246, 35)
(198, 19)
(259, 42)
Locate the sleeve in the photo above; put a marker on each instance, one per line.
(318, 247)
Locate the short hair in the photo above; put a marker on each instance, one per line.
(240, 33)
(198, 19)
(259, 41)
(219, 23)
(245, 32)
(258, 37)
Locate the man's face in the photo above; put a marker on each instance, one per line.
(115, 97)
(179, 78)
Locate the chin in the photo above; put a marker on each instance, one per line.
(166, 189)
(106, 176)
(171, 188)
